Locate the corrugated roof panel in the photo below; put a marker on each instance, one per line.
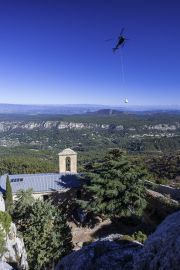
(41, 182)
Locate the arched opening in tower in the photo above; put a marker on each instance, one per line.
(68, 164)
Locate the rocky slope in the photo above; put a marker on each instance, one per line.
(160, 251)
(15, 250)
(14, 245)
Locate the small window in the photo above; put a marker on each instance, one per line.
(68, 164)
(17, 180)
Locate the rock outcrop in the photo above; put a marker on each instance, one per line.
(2, 203)
(15, 250)
(160, 252)
(5, 266)
(162, 249)
(108, 253)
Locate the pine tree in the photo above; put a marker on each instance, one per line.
(22, 207)
(47, 237)
(8, 196)
(115, 187)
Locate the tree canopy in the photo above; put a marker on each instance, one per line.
(115, 187)
(45, 231)
(8, 196)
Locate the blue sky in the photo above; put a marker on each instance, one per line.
(54, 52)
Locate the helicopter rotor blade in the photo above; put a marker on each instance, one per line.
(122, 30)
(109, 39)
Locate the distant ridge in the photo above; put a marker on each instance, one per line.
(69, 109)
(48, 109)
(107, 112)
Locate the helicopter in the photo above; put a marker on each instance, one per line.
(120, 42)
(126, 100)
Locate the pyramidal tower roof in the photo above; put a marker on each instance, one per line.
(67, 151)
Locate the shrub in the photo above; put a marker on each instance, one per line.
(127, 237)
(2, 242)
(162, 181)
(5, 221)
(139, 236)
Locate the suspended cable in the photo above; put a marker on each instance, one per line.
(122, 68)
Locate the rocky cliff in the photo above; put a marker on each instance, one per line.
(5, 266)
(160, 251)
(15, 252)
(49, 124)
(30, 125)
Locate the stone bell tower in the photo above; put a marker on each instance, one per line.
(67, 161)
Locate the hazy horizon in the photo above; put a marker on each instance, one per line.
(129, 104)
(91, 104)
(56, 108)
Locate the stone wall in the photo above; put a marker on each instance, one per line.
(165, 190)
(40, 195)
(173, 192)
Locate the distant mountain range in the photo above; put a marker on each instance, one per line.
(68, 109)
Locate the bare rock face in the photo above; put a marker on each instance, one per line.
(2, 203)
(15, 250)
(109, 253)
(162, 249)
(5, 266)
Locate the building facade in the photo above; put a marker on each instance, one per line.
(44, 184)
(67, 161)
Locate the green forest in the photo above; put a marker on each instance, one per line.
(150, 138)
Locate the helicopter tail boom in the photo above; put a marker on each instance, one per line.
(114, 49)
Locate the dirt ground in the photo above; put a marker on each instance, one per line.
(82, 235)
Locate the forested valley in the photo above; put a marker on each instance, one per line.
(31, 143)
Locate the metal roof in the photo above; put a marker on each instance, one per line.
(42, 182)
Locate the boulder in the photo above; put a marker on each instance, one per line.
(112, 252)
(162, 249)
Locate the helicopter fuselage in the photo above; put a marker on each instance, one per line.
(121, 41)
